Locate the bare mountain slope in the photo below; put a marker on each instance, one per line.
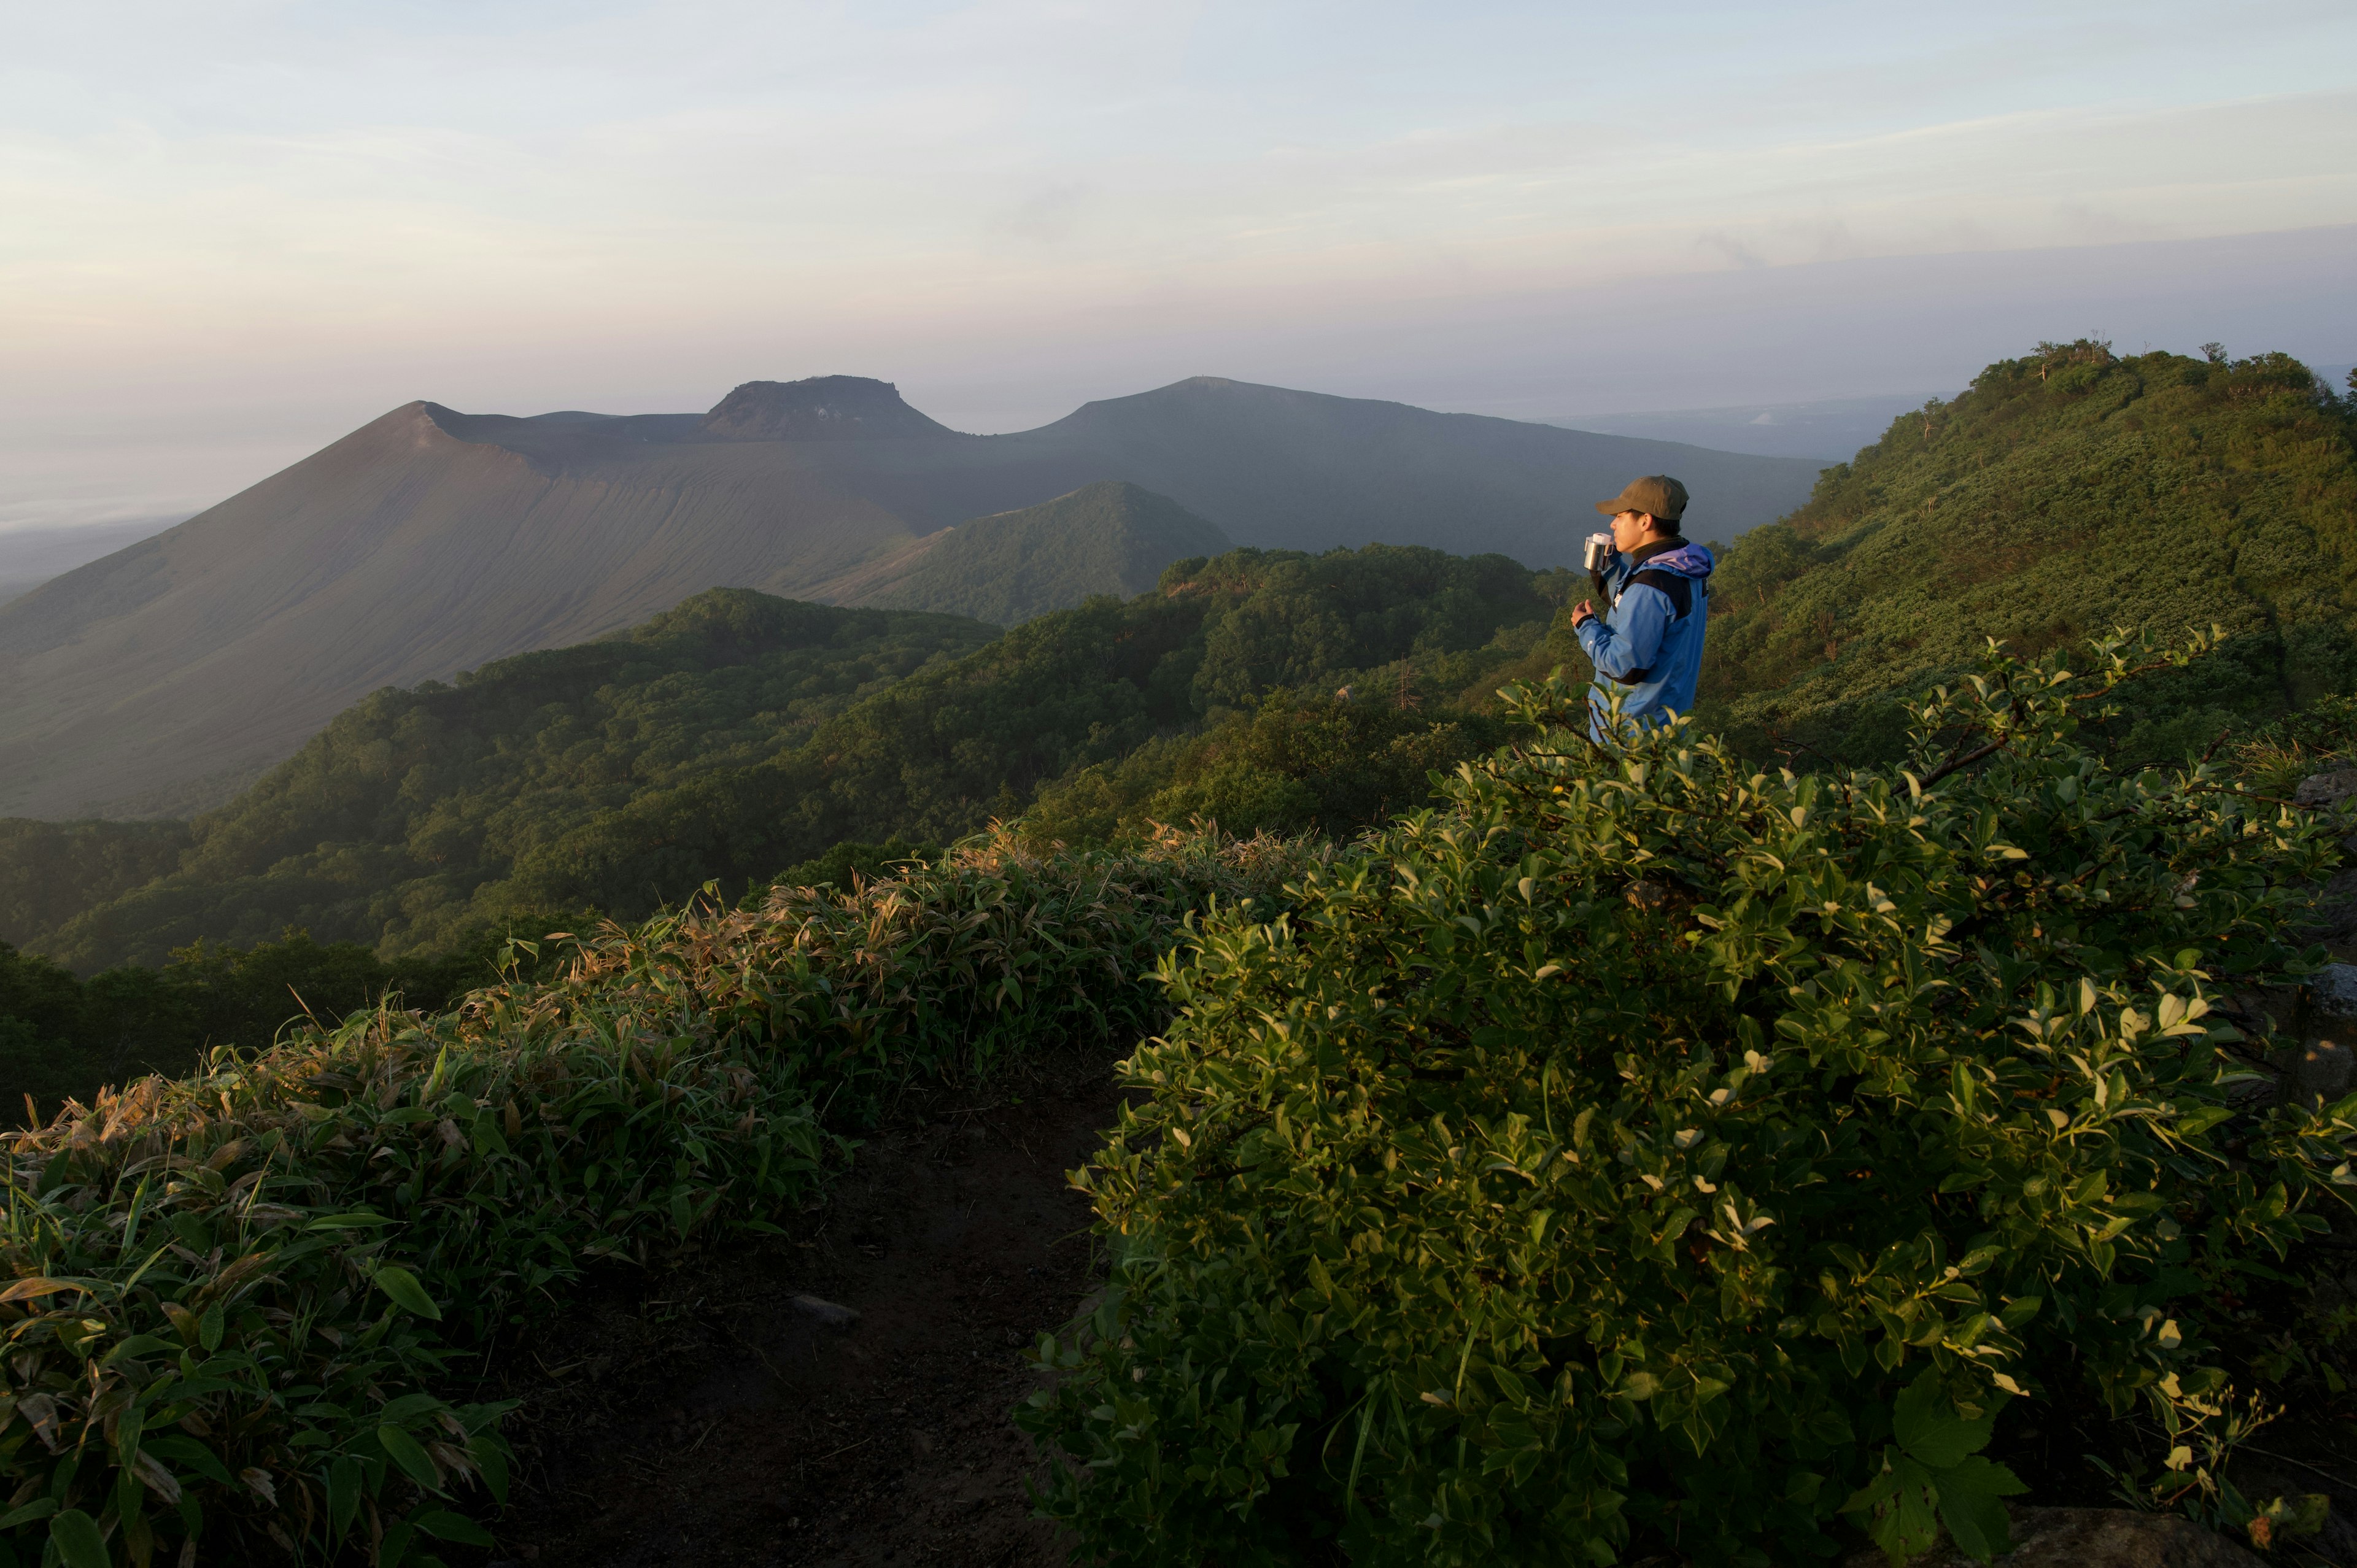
(159, 678)
(1107, 538)
(1304, 470)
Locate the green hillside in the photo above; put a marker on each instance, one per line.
(383, 827)
(1105, 538)
(739, 734)
(2065, 494)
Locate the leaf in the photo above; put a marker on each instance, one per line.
(78, 1543)
(24, 1290)
(156, 1479)
(444, 1525)
(1927, 1425)
(190, 1453)
(2193, 1124)
(1970, 1505)
(39, 1509)
(343, 1496)
(491, 1462)
(403, 1451)
(403, 1287)
(1901, 1501)
(257, 1481)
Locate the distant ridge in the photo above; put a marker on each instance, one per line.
(820, 408)
(1111, 537)
(158, 679)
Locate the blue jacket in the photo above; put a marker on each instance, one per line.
(1644, 647)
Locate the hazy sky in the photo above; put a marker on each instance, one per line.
(231, 231)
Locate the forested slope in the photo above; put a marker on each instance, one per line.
(2065, 494)
(739, 734)
(383, 826)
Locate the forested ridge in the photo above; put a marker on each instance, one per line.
(2064, 494)
(739, 737)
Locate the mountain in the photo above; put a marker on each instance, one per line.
(1829, 429)
(1106, 537)
(739, 733)
(2063, 495)
(166, 676)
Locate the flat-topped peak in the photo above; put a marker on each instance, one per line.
(819, 408)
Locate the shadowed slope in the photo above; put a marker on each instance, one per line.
(1305, 472)
(1105, 538)
(180, 666)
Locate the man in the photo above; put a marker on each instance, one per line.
(1647, 645)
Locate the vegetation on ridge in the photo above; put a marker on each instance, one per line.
(238, 1294)
(739, 734)
(1643, 1153)
(2064, 494)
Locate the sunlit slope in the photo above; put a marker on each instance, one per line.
(2066, 493)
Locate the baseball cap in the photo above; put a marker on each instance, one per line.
(1657, 495)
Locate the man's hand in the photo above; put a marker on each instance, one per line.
(1584, 610)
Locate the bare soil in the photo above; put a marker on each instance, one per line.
(705, 1417)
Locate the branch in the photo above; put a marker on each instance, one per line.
(1966, 760)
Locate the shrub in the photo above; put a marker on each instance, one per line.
(235, 1294)
(1645, 1153)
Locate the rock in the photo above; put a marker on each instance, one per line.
(2093, 1538)
(2324, 1069)
(826, 1313)
(2332, 992)
(2324, 1064)
(2323, 790)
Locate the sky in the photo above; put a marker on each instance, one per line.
(231, 232)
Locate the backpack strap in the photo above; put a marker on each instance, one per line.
(1679, 589)
(1677, 585)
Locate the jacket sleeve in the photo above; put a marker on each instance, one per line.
(1630, 638)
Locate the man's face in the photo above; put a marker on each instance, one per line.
(1628, 530)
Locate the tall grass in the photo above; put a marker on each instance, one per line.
(236, 1294)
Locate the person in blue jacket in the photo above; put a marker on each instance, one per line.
(1647, 644)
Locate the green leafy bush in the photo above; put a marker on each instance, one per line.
(1302, 762)
(234, 1295)
(1645, 1153)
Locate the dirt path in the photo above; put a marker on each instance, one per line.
(712, 1419)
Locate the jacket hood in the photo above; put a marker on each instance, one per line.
(1687, 561)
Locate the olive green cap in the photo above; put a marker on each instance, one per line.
(1656, 495)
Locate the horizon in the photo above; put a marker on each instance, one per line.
(244, 234)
